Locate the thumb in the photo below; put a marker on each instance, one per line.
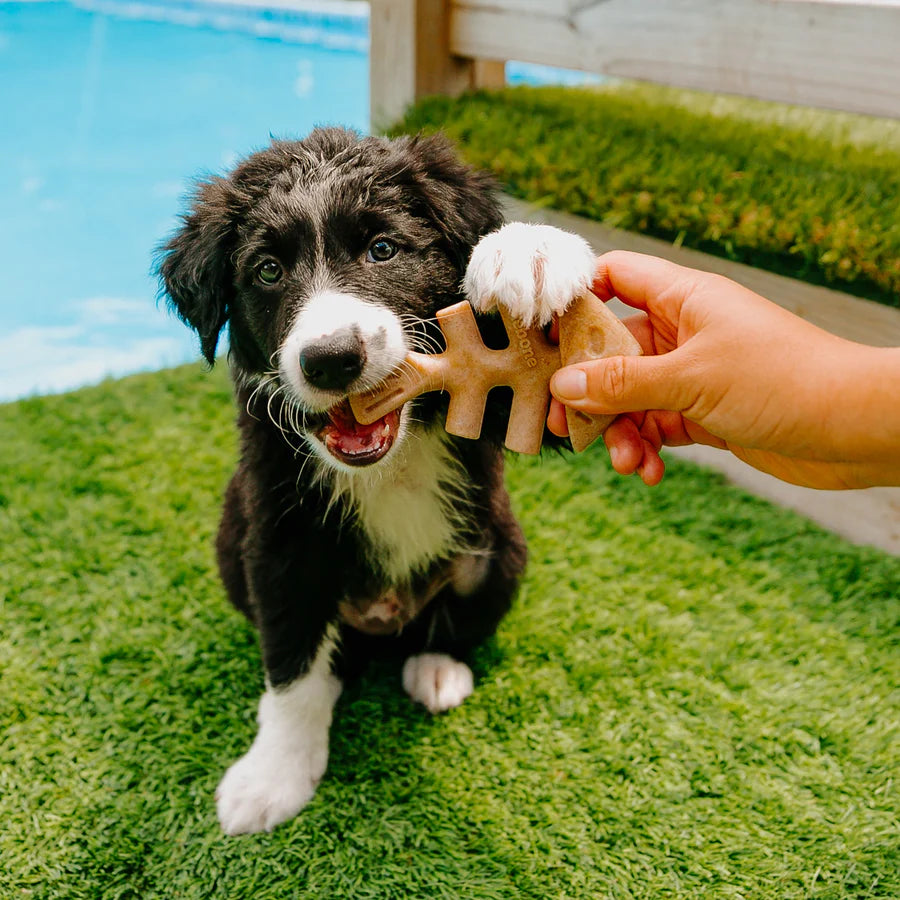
(621, 384)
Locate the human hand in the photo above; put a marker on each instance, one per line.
(725, 367)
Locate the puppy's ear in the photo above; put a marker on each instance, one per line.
(195, 268)
(460, 200)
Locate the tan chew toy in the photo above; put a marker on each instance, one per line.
(467, 370)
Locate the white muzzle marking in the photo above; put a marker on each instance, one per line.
(327, 313)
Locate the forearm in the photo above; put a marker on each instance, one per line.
(865, 420)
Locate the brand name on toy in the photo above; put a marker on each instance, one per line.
(525, 348)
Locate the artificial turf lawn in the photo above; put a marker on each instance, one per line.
(806, 193)
(695, 696)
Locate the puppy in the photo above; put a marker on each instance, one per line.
(327, 259)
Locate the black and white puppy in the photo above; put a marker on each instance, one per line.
(327, 259)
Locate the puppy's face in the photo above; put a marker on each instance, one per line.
(335, 281)
(329, 258)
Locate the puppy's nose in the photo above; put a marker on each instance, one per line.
(332, 362)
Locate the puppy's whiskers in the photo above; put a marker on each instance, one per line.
(287, 409)
(420, 333)
(266, 381)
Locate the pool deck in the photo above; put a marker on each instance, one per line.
(870, 517)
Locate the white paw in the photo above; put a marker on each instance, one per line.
(265, 788)
(437, 681)
(279, 774)
(534, 271)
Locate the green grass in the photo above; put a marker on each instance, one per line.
(805, 193)
(695, 697)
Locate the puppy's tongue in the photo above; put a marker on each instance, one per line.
(350, 433)
(355, 443)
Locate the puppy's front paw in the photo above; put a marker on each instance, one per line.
(534, 271)
(265, 788)
(437, 681)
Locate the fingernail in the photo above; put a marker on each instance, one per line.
(569, 384)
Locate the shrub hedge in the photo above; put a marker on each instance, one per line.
(797, 192)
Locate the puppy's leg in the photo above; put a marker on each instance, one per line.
(481, 590)
(279, 774)
(232, 528)
(534, 271)
(463, 615)
(293, 607)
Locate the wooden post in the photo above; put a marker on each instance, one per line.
(410, 57)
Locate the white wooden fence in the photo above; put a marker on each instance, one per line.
(833, 53)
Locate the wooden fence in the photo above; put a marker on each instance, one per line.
(842, 55)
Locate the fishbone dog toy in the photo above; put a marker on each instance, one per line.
(467, 370)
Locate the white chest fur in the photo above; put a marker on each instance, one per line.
(411, 511)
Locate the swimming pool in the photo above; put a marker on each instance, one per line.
(107, 107)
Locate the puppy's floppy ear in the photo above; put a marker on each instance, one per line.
(195, 268)
(460, 200)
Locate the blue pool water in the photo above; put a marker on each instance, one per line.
(107, 108)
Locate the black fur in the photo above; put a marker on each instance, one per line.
(288, 558)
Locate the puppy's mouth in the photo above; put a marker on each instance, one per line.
(353, 443)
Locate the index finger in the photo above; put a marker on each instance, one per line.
(639, 279)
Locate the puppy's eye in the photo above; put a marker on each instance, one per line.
(382, 250)
(269, 272)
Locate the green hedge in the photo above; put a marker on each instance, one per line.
(798, 192)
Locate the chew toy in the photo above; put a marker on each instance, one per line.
(467, 370)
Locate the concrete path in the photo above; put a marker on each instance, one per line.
(865, 517)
